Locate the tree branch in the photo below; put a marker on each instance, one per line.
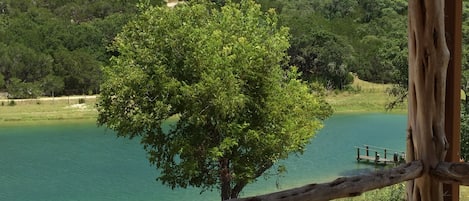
(452, 173)
(345, 186)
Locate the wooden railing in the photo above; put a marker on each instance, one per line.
(380, 156)
(354, 186)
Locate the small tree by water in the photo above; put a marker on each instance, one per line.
(219, 72)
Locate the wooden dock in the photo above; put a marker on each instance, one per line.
(379, 155)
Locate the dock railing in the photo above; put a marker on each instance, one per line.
(379, 155)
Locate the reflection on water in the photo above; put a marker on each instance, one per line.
(82, 162)
(355, 172)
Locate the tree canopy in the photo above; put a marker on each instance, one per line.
(329, 39)
(58, 46)
(218, 71)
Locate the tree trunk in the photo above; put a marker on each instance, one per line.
(225, 179)
(428, 62)
(237, 189)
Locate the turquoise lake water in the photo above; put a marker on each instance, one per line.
(80, 162)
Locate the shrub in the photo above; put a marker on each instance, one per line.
(12, 103)
(390, 193)
(19, 89)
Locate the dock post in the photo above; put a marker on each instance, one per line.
(376, 157)
(385, 153)
(358, 153)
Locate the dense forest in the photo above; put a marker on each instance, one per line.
(57, 47)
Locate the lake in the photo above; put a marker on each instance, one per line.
(80, 162)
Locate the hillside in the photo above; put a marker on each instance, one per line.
(363, 97)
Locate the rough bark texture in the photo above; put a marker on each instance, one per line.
(346, 186)
(452, 173)
(428, 61)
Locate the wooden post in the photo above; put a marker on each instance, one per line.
(376, 157)
(385, 153)
(453, 24)
(358, 154)
(428, 63)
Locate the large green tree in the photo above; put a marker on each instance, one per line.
(320, 54)
(218, 71)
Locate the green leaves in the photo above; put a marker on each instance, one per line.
(219, 72)
(63, 39)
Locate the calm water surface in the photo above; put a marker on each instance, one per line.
(79, 162)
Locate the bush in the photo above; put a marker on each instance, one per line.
(390, 193)
(353, 89)
(19, 89)
(81, 101)
(12, 103)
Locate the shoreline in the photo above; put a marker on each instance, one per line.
(65, 113)
(48, 119)
(49, 111)
(394, 111)
(46, 122)
(368, 98)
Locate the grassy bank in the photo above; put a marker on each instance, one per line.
(365, 97)
(49, 110)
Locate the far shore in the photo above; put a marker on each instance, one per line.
(364, 98)
(48, 110)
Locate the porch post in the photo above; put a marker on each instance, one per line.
(453, 24)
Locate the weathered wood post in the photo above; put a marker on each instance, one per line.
(434, 107)
(453, 25)
(428, 62)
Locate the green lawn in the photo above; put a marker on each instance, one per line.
(365, 97)
(39, 111)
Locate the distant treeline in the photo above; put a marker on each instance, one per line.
(57, 47)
